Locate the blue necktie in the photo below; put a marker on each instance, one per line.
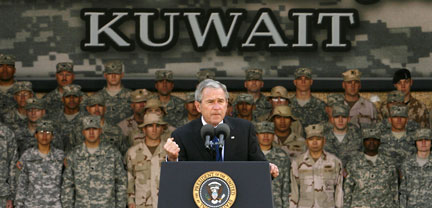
(216, 148)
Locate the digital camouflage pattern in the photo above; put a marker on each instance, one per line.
(303, 72)
(262, 106)
(350, 145)
(311, 113)
(280, 184)
(398, 149)
(118, 106)
(7, 59)
(13, 119)
(26, 139)
(294, 145)
(113, 67)
(175, 110)
(393, 97)
(351, 75)
(94, 180)
(39, 182)
(205, 74)
(385, 126)
(8, 160)
(66, 128)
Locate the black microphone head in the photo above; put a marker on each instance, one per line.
(222, 129)
(207, 130)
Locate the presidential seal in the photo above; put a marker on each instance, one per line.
(214, 189)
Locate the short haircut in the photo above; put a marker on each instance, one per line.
(209, 83)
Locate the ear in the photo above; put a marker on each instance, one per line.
(343, 85)
(105, 75)
(88, 108)
(121, 75)
(198, 106)
(311, 81)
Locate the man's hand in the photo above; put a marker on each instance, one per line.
(274, 170)
(9, 204)
(172, 149)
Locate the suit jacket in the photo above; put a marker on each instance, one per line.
(241, 145)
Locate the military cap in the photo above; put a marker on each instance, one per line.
(7, 59)
(45, 125)
(340, 110)
(72, 90)
(423, 133)
(152, 118)
(254, 74)
(64, 66)
(35, 103)
(190, 97)
(395, 96)
(399, 111)
(91, 122)
(164, 75)
(303, 72)
(401, 74)
(370, 132)
(314, 130)
(264, 127)
(95, 100)
(352, 74)
(113, 67)
(284, 111)
(244, 97)
(22, 86)
(334, 99)
(279, 91)
(205, 74)
(139, 95)
(154, 103)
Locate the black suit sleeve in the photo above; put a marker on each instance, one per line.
(178, 139)
(254, 151)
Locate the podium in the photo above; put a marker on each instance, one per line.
(212, 184)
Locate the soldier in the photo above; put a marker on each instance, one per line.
(192, 112)
(39, 182)
(307, 108)
(8, 160)
(278, 96)
(344, 139)
(115, 95)
(7, 81)
(275, 155)
(230, 108)
(333, 99)
(138, 99)
(417, 111)
(286, 137)
(244, 106)
(205, 74)
(15, 116)
(316, 175)
(94, 175)
(372, 179)
(362, 111)
(144, 163)
(254, 82)
(417, 173)
(64, 76)
(173, 104)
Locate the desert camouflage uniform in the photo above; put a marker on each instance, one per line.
(371, 184)
(94, 180)
(418, 112)
(294, 145)
(363, 112)
(143, 169)
(316, 183)
(8, 159)
(345, 150)
(118, 106)
(128, 126)
(39, 182)
(311, 113)
(281, 184)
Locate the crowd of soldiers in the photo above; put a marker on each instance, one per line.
(73, 149)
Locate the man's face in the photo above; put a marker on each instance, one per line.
(153, 131)
(423, 145)
(113, 79)
(35, 114)
(352, 88)
(6, 72)
(44, 137)
(91, 135)
(265, 139)
(404, 85)
(277, 101)
(191, 109)
(340, 122)
(281, 123)
(371, 144)
(21, 97)
(315, 144)
(303, 83)
(157, 111)
(64, 78)
(398, 123)
(213, 105)
(96, 110)
(138, 106)
(244, 109)
(71, 102)
(164, 87)
(253, 86)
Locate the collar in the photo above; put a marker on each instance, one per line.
(205, 123)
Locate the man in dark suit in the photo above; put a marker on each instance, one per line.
(211, 99)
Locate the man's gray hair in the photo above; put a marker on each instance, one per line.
(209, 83)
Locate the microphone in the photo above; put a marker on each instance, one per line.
(222, 131)
(207, 133)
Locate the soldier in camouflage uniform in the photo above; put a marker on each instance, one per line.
(8, 159)
(372, 179)
(244, 107)
(16, 115)
(316, 175)
(138, 99)
(286, 137)
(205, 74)
(307, 108)
(333, 99)
(417, 111)
(39, 182)
(144, 162)
(94, 175)
(344, 139)
(277, 156)
(191, 110)
(7, 81)
(254, 82)
(115, 95)
(278, 96)
(174, 105)
(363, 112)
(416, 173)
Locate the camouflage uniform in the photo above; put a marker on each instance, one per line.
(418, 112)
(8, 159)
(385, 126)
(205, 74)
(6, 96)
(311, 113)
(244, 98)
(11, 117)
(190, 97)
(262, 105)
(129, 124)
(396, 97)
(54, 98)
